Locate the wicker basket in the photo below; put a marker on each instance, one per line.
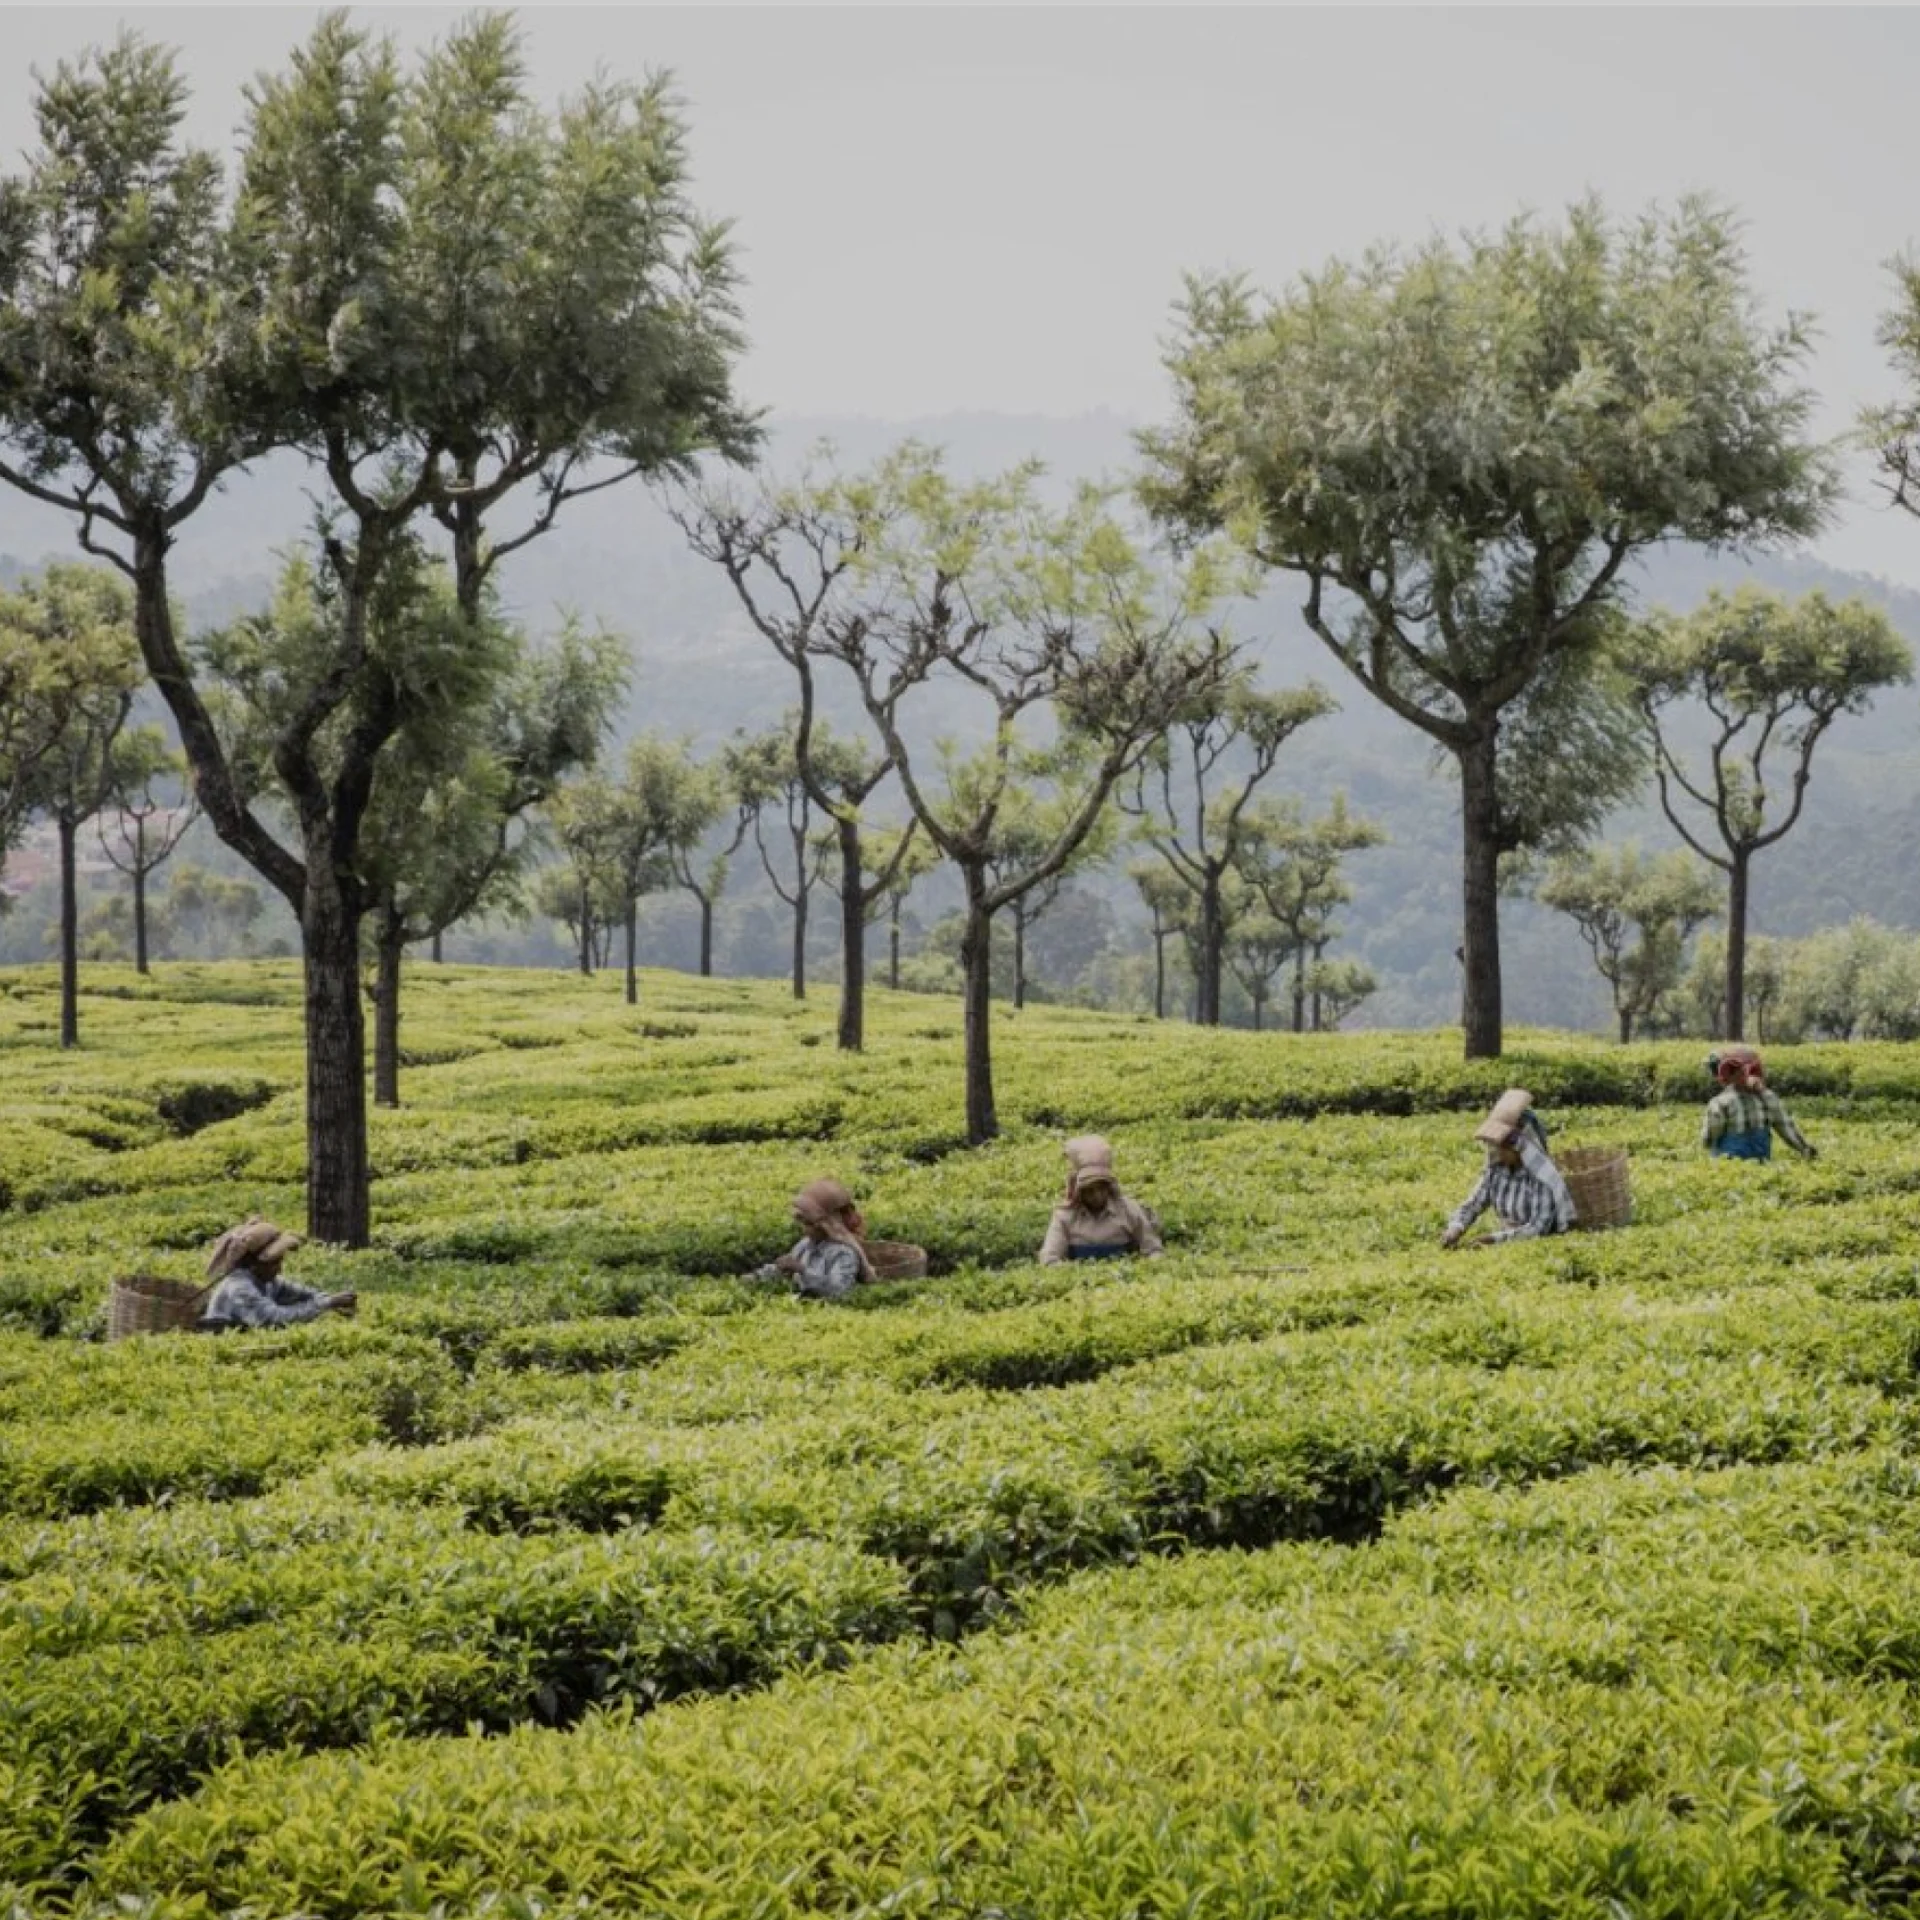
(896, 1260)
(1597, 1179)
(145, 1303)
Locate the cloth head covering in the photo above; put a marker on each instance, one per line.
(828, 1205)
(1089, 1159)
(1510, 1112)
(1736, 1067)
(255, 1239)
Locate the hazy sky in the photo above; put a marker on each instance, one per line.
(990, 209)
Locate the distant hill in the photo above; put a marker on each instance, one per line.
(617, 557)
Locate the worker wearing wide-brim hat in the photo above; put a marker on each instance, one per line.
(246, 1262)
(1527, 1192)
(1097, 1221)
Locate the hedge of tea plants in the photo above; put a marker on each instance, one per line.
(1309, 1570)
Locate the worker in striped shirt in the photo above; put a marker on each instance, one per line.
(1526, 1191)
(1746, 1113)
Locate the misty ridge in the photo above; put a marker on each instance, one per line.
(701, 672)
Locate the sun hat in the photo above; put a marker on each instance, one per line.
(1510, 1112)
(256, 1238)
(820, 1200)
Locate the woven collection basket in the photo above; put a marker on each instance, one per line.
(1597, 1179)
(896, 1260)
(146, 1303)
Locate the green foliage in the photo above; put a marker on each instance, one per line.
(1192, 795)
(1894, 429)
(68, 670)
(1533, 1703)
(1616, 895)
(1773, 676)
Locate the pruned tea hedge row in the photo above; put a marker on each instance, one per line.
(1309, 1570)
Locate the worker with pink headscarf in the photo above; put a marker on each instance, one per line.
(830, 1258)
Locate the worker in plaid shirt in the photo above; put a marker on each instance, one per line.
(1746, 1113)
(1526, 1191)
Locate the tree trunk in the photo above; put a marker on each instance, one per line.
(469, 576)
(388, 950)
(893, 948)
(1300, 989)
(139, 891)
(1737, 945)
(140, 919)
(438, 954)
(633, 942)
(586, 929)
(337, 1198)
(853, 940)
(1212, 955)
(1019, 957)
(1626, 1026)
(976, 964)
(1480, 898)
(1258, 1007)
(1159, 971)
(69, 940)
(706, 936)
(800, 941)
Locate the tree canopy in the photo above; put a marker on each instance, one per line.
(1459, 449)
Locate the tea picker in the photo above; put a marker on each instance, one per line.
(245, 1263)
(1746, 1113)
(1096, 1220)
(833, 1254)
(1527, 1192)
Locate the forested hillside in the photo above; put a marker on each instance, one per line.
(703, 672)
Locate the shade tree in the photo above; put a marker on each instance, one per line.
(66, 637)
(1191, 795)
(1459, 451)
(1048, 624)
(1769, 676)
(437, 293)
(1636, 913)
(150, 809)
(796, 553)
(1294, 867)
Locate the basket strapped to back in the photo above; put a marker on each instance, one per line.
(1597, 1179)
(896, 1260)
(147, 1303)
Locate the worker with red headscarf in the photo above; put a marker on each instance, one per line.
(1746, 1113)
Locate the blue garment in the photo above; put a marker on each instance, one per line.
(1757, 1145)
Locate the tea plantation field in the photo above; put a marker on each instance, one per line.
(1308, 1571)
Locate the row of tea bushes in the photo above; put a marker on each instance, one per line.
(1671, 1694)
(127, 1682)
(86, 1427)
(78, 1429)
(397, 1588)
